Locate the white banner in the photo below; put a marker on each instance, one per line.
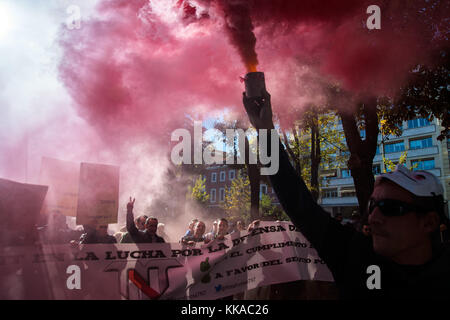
(273, 253)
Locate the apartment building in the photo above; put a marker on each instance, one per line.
(424, 152)
(218, 179)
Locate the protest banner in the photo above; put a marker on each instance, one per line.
(272, 253)
(61, 177)
(20, 205)
(98, 194)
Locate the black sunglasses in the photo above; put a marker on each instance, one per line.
(393, 208)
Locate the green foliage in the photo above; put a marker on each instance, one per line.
(237, 199)
(425, 95)
(333, 148)
(271, 210)
(390, 165)
(237, 203)
(198, 191)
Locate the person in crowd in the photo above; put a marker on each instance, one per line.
(119, 234)
(356, 221)
(139, 222)
(190, 230)
(198, 236)
(240, 225)
(149, 234)
(366, 230)
(232, 227)
(404, 214)
(222, 228)
(210, 236)
(96, 233)
(56, 230)
(338, 217)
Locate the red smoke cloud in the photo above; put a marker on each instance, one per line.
(361, 60)
(239, 26)
(134, 70)
(132, 73)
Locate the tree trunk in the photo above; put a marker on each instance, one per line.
(254, 176)
(362, 152)
(294, 158)
(315, 155)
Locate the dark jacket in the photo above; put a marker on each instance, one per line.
(140, 236)
(91, 237)
(349, 253)
(186, 239)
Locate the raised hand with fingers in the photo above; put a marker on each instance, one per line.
(130, 204)
(259, 110)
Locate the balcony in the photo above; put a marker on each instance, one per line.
(411, 153)
(337, 182)
(341, 201)
(412, 132)
(423, 152)
(390, 156)
(419, 131)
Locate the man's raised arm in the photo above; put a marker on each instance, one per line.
(131, 227)
(325, 234)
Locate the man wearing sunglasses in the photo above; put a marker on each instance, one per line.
(405, 211)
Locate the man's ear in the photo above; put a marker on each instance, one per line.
(431, 221)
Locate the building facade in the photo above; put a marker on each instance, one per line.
(424, 152)
(218, 179)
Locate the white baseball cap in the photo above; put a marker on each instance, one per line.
(420, 183)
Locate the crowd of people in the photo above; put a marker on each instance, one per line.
(145, 229)
(141, 229)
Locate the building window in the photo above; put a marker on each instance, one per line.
(378, 150)
(376, 169)
(346, 193)
(425, 164)
(231, 174)
(394, 147)
(263, 189)
(329, 193)
(362, 134)
(420, 143)
(345, 173)
(222, 194)
(222, 175)
(214, 177)
(212, 195)
(417, 123)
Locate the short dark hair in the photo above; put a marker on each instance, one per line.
(222, 219)
(150, 218)
(141, 216)
(437, 204)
